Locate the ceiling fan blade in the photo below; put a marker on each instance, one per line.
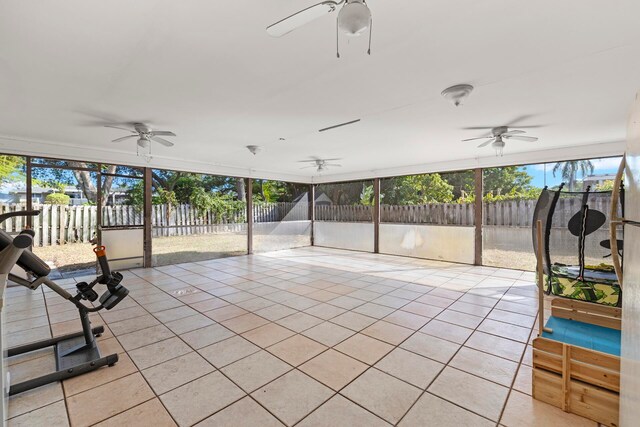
(522, 138)
(522, 118)
(124, 137)
(121, 128)
(478, 128)
(307, 161)
(162, 141)
(163, 132)
(480, 137)
(513, 132)
(298, 19)
(484, 144)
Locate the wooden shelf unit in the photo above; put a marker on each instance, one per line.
(577, 379)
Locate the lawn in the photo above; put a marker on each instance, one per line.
(173, 249)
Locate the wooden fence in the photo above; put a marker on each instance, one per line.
(435, 213)
(59, 224)
(515, 213)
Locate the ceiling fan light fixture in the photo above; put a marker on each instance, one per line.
(498, 144)
(457, 93)
(143, 143)
(354, 18)
(144, 149)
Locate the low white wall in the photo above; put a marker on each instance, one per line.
(357, 236)
(439, 242)
(127, 244)
(275, 236)
(282, 228)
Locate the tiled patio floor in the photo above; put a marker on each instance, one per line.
(307, 337)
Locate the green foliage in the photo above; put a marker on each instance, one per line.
(135, 196)
(273, 191)
(501, 184)
(163, 197)
(463, 183)
(223, 207)
(277, 191)
(367, 195)
(514, 194)
(506, 180)
(605, 186)
(11, 168)
(55, 185)
(57, 199)
(417, 190)
(53, 178)
(527, 194)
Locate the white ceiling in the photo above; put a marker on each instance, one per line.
(208, 71)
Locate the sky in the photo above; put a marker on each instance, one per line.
(606, 166)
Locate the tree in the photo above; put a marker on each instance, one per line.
(344, 193)
(87, 184)
(463, 183)
(11, 168)
(241, 190)
(506, 180)
(277, 191)
(80, 174)
(570, 171)
(417, 190)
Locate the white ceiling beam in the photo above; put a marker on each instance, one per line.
(95, 154)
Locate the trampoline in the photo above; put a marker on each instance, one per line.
(576, 245)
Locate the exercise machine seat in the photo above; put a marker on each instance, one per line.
(28, 261)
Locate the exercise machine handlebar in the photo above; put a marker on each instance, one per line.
(101, 254)
(6, 216)
(10, 255)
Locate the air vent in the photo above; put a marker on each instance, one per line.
(340, 125)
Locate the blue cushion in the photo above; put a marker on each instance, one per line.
(594, 337)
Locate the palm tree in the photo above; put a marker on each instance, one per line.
(570, 170)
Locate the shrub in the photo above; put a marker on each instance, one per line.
(57, 199)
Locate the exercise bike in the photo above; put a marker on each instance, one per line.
(76, 353)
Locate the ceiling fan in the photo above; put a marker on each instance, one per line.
(320, 164)
(144, 134)
(353, 19)
(499, 136)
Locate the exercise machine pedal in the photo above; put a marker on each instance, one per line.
(86, 292)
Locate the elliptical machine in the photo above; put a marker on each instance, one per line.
(76, 353)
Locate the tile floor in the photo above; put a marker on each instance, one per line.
(307, 337)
